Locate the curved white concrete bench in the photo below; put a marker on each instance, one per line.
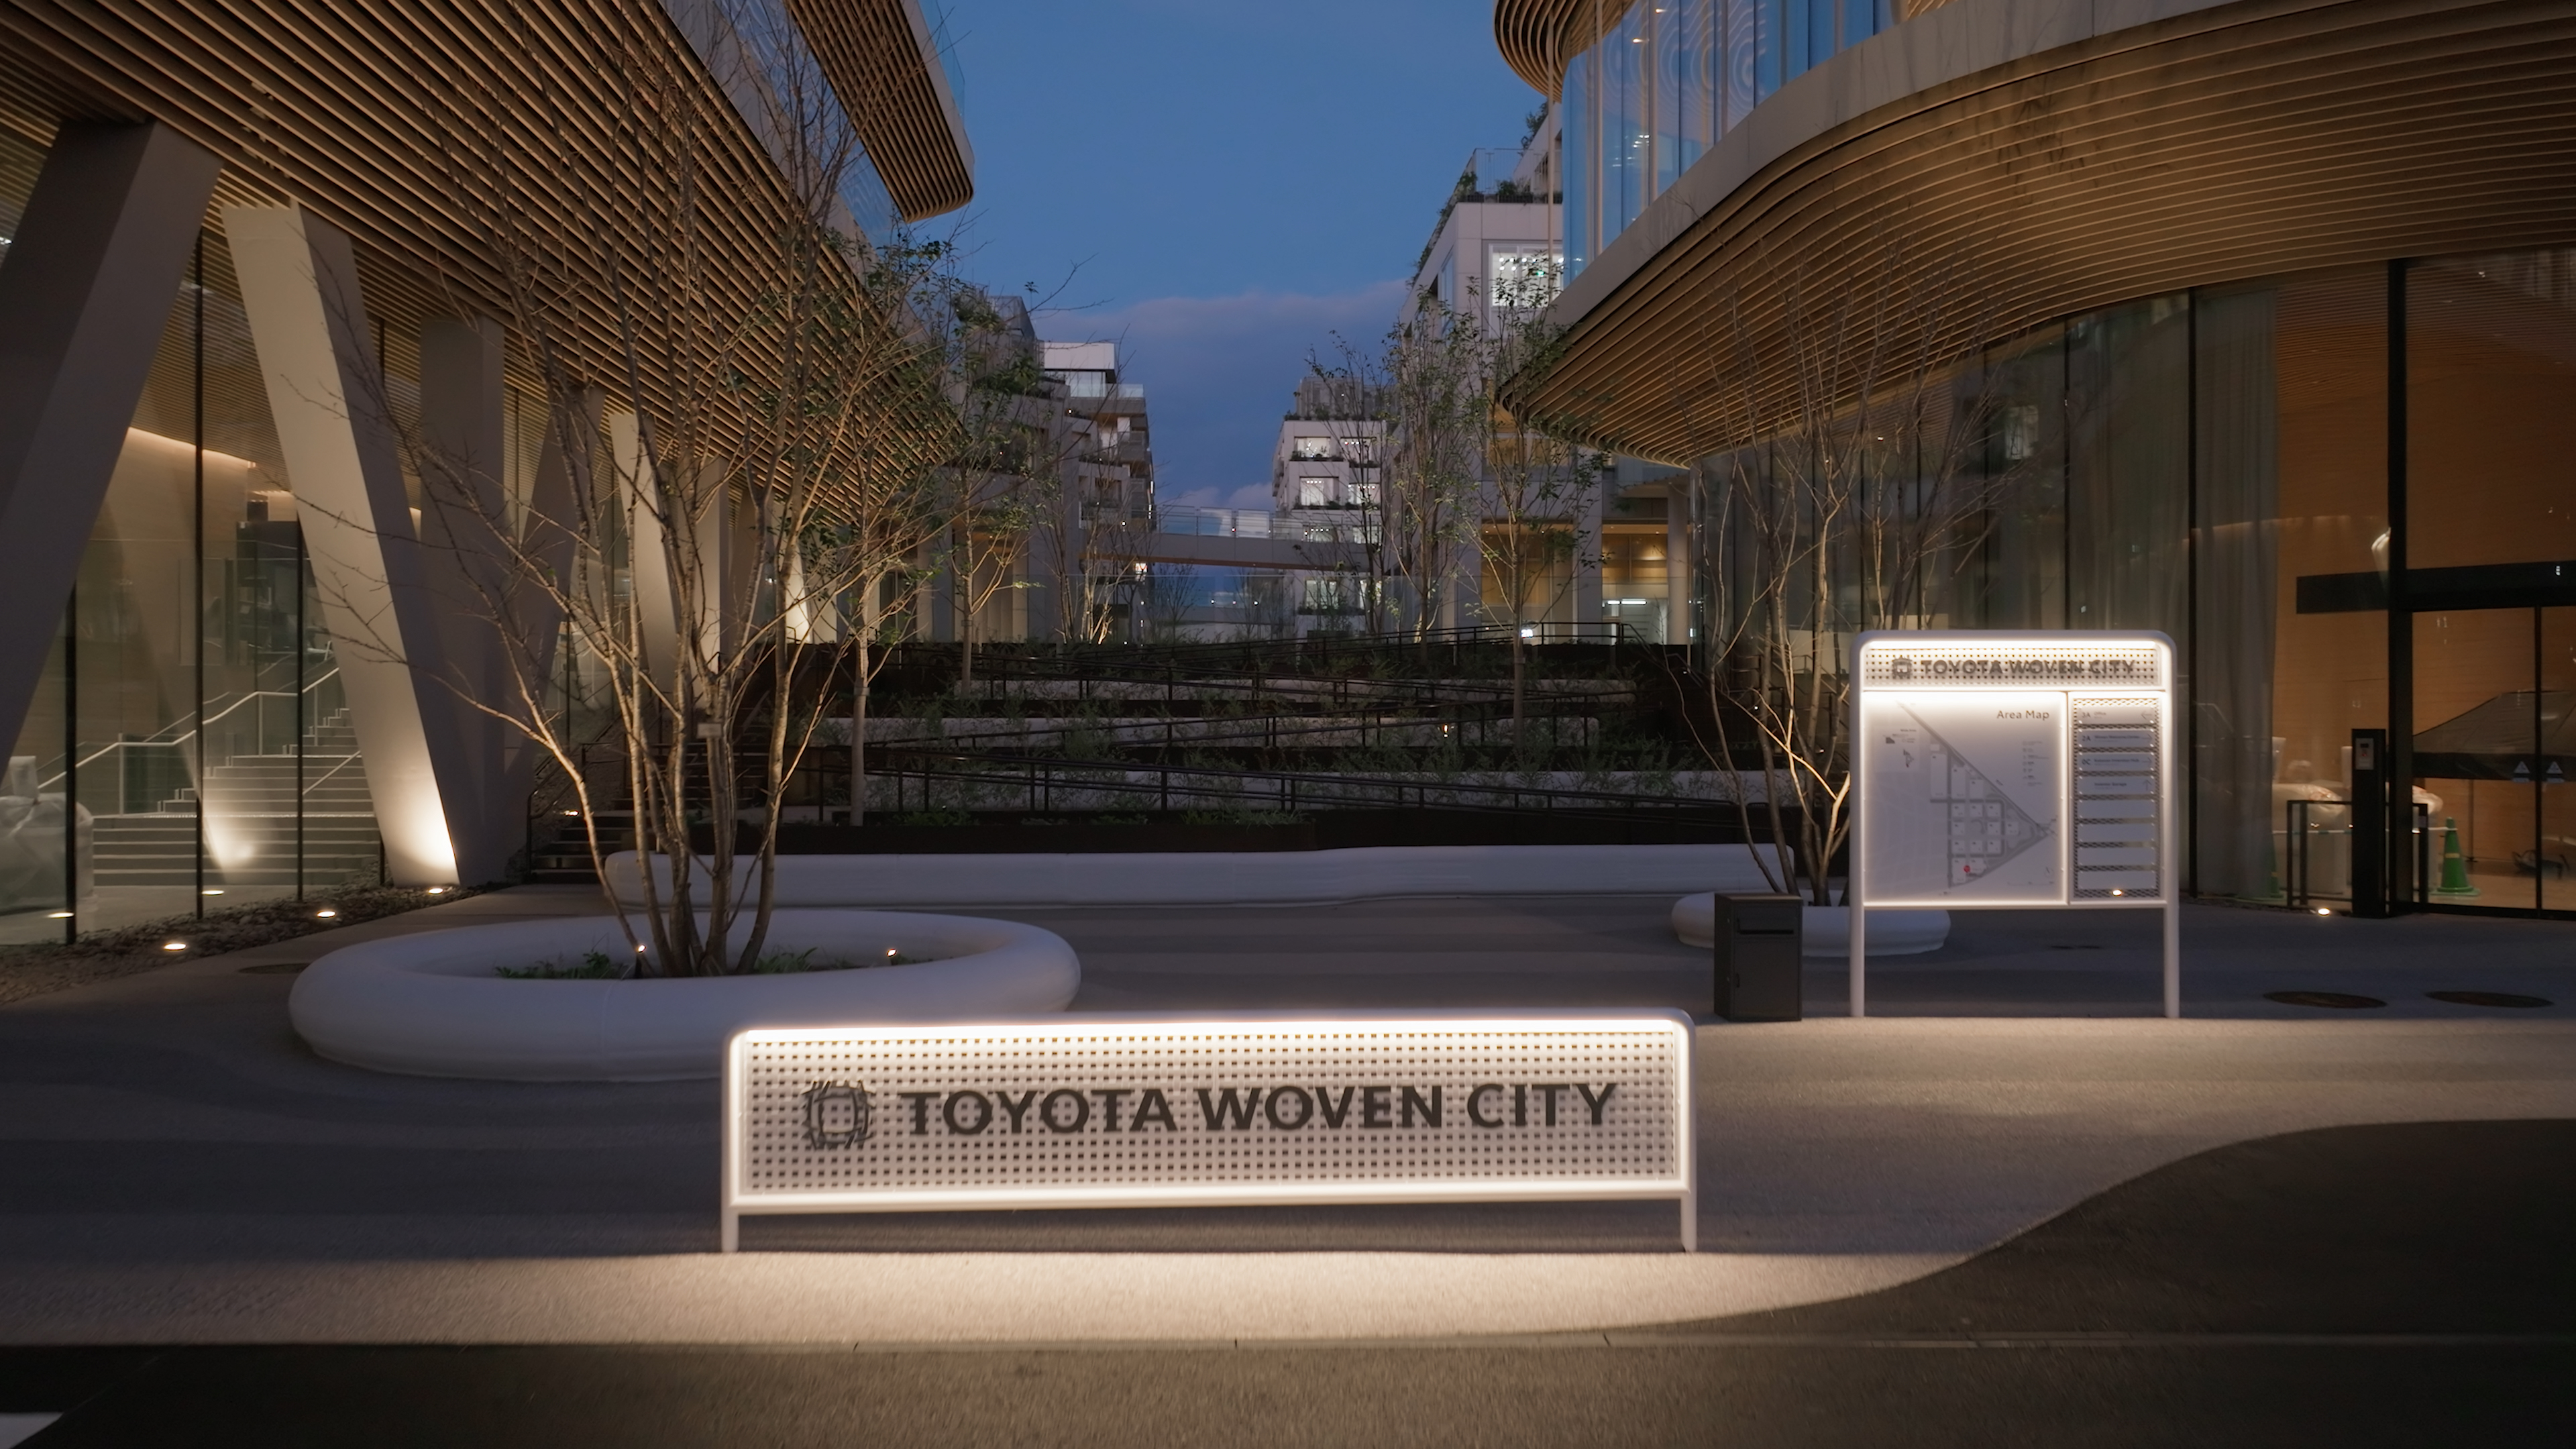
(430, 1005)
(1245, 877)
(1827, 928)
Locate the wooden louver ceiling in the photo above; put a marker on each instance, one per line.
(1534, 38)
(2239, 142)
(410, 126)
(876, 66)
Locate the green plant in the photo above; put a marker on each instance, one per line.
(1240, 817)
(594, 966)
(792, 963)
(933, 817)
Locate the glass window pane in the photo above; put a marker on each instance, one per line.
(2491, 410)
(1576, 141)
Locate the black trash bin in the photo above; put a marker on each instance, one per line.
(1758, 943)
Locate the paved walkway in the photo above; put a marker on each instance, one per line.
(2401, 1284)
(174, 1167)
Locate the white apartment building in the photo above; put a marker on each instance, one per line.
(1503, 229)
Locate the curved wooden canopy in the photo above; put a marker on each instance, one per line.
(440, 136)
(880, 66)
(2230, 143)
(1532, 35)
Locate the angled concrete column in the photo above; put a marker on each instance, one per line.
(549, 520)
(466, 565)
(299, 282)
(1677, 564)
(657, 613)
(84, 295)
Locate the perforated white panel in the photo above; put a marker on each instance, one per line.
(1954, 663)
(1091, 1112)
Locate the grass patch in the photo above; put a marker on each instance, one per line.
(932, 817)
(600, 966)
(1240, 817)
(35, 969)
(594, 966)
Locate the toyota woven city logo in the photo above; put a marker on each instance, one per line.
(836, 1115)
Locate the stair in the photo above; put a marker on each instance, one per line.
(562, 853)
(252, 823)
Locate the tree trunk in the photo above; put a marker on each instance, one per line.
(859, 734)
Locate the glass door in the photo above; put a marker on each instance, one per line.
(2494, 693)
(2554, 843)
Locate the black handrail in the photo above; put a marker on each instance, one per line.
(1041, 776)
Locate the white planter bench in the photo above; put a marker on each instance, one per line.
(1245, 877)
(430, 1005)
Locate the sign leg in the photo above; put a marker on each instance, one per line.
(731, 1233)
(2173, 958)
(1690, 1221)
(1859, 955)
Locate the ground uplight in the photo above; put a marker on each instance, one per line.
(324, 914)
(2322, 911)
(174, 945)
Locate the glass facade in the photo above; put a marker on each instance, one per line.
(190, 746)
(2217, 465)
(1664, 81)
(191, 715)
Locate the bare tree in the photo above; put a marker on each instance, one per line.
(784, 413)
(1847, 500)
(1412, 417)
(1009, 467)
(1540, 481)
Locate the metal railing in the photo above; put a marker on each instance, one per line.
(174, 738)
(1217, 522)
(2299, 846)
(1040, 781)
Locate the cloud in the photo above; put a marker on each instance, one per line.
(1218, 371)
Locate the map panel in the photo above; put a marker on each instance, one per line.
(1964, 792)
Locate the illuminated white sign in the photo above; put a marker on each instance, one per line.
(1166, 1111)
(2001, 770)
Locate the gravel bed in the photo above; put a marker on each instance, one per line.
(27, 971)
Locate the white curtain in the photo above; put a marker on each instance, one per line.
(2238, 446)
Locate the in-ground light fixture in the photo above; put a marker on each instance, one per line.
(174, 945)
(324, 914)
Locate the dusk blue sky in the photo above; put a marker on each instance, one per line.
(1235, 180)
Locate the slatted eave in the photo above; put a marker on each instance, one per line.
(413, 127)
(1531, 34)
(883, 78)
(2202, 151)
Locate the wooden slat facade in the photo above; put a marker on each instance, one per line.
(2232, 143)
(409, 126)
(874, 59)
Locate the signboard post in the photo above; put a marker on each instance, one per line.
(2001, 771)
(1090, 1112)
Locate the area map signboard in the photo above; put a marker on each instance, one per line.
(1086, 1111)
(2000, 770)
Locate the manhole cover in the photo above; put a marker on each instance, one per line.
(275, 968)
(2333, 1000)
(2487, 998)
